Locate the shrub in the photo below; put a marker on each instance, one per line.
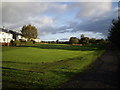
(11, 42)
(23, 42)
(33, 41)
(16, 43)
(73, 40)
(29, 42)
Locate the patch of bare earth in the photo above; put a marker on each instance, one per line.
(103, 73)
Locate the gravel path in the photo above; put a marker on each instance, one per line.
(102, 74)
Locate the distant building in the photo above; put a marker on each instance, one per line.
(7, 35)
(17, 36)
(37, 40)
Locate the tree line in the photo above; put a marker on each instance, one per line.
(86, 40)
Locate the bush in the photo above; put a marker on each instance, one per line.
(29, 42)
(23, 42)
(11, 42)
(16, 43)
(33, 41)
(73, 40)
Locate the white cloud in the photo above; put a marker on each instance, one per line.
(15, 15)
(15, 12)
(92, 10)
(41, 21)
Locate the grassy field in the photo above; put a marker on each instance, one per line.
(45, 65)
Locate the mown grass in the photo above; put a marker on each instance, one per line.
(37, 55)
(45, 66)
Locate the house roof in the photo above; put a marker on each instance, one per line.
(4, 30)
(9, 31)
(13, 32)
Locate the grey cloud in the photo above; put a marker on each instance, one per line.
(46, 30)
(14, 12)
(100, 26)
(64, 38)
(90, 10)
(97, 24)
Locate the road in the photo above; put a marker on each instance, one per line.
(103, 73)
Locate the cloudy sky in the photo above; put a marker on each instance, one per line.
(61, 20)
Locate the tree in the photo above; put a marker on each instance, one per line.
(84, 40)
(92, 40)
(100, 41)
(73, 40)
(29, 32)
(82, 36)
(57, 41)
(114, 32)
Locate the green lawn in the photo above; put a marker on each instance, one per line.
(44, 66)
(36, 55)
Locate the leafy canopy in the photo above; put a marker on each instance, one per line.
(74, 40)
(29, 31)
(114, 32)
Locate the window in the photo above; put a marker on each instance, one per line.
(4, 39)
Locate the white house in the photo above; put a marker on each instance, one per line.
(37, 40)
(5, 36)
(19, 37)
